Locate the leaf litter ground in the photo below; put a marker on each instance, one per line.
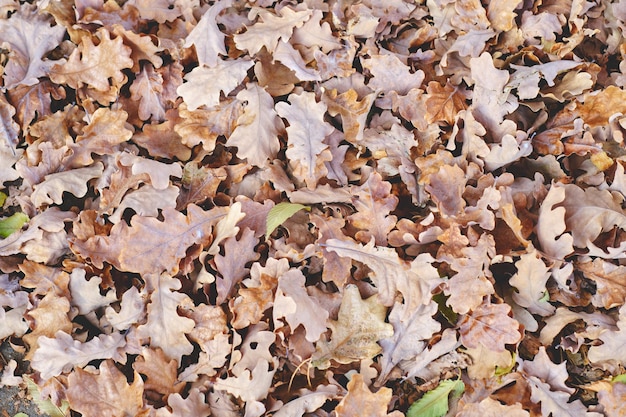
(314, 208)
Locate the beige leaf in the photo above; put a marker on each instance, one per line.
(257, 127)
(293, 303)
(201, 88)
(490, 325)
(551, 225)
(106, 393)
(61, 353)
(165, 328)
(74, 181)
(207, 37)
(271, 29)
(94, 65)
(306, 132)
(359, 326)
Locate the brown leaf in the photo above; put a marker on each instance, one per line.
(106, 393)
(491, 326)
(150, 246)
(160, 371)
(360, 401)
(94, 65)
(374, 202)
(443, 102)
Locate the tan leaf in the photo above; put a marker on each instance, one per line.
(201, 88)
(257, 127)
(390, 74)
(613, 399)
(160, 371)
(492, 408)
(150, 246)
(530, 282)
(194, 405)
(491, 326)
(355, 333)
(162, 141)
(443, 102)
(352, 111)
(252, 385)
(501, 14)
(205, 125)
(30, 37)
(210, 322)
(94, 65)
(207, 37)
(232, 265)
(551, 225)
(105, 393)
(146, 89)
(86, 293)
(389, 272)
(360, 401)
(165, 328)
(307, 130)
(74, 181)
(608, 277)
(62, 353)
(258, 296)
(199, 183)
(106, 130)
(293, 303)
(142, 47)
(271, 29)
(374, 202)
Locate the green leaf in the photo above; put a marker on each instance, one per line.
(435, 402)
(3, 198)
(619, 378)
(279, 213)
(12, 224)
(21, 415)
(45, 406)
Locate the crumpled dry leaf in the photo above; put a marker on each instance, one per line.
(355, 333)
(61, 353)
(106, 392)
(94, 65)
(361, 401)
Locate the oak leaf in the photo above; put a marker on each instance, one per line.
(160, 371)
(150, 246)
(374, 202)
(390, 74)
(162, 141)
(307, 130)
(551, 225)
(193, 405)
(613, 349)
(74, 181)
(360, 401)
(308, 401)
(30, 37)
(355, 333)
(142, 47)
(86, 293)
(490, 325)
(205, 125)
(271, 29)
(294, 304)
(201, 88)
(530, 282)
(106, 393)
(353, 111)
(165, 328)
(231, 266)
(389, 272)
(608, 277)
(94, 65)
(131, 311)
(207, 37)
(146, 89)
(61, 353)
(256, 130)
